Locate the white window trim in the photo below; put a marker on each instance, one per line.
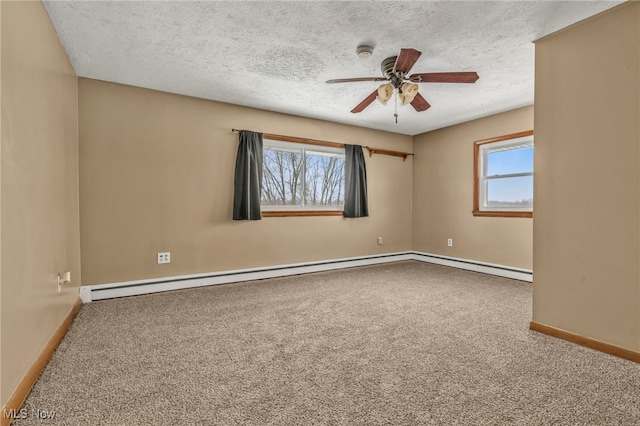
(304, 147)
(496, 143)
(483, 179)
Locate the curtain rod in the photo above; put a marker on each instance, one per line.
(372, 151)
(296, 139)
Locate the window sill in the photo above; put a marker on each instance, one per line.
(482, 213)
(293, 213)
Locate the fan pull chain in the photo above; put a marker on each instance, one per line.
(395, 91)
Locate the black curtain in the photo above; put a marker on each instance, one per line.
(248, 177)
(355, 182)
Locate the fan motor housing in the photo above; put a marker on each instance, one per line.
(387, 66)
(396, 78)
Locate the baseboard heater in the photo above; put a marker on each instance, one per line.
(134, 288)
(471, 265)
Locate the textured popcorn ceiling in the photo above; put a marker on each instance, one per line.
(278, 55)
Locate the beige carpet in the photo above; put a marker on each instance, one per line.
(399, 344)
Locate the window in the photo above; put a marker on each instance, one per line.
(302, 179)
(503, 176)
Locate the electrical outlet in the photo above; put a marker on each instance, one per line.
(64, 278)
(380, 241)
(450, 242)
(164, 257)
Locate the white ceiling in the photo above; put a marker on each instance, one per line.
(276, 55)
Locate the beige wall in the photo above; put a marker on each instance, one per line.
(2, 397)
(587, 186)
(156, 174)
(443, 195)
(39, 187)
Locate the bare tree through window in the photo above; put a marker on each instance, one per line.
(302, 177)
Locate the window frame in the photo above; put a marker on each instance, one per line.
(303, 144)
(478, 160)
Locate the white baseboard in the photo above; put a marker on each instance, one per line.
(90, 293)
(472, 265)
(133, 288)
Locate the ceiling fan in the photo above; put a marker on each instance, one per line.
(395, 70)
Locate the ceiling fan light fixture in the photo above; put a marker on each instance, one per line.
(395, 70)
(408, 92)
(364, 51)
(385, 91)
